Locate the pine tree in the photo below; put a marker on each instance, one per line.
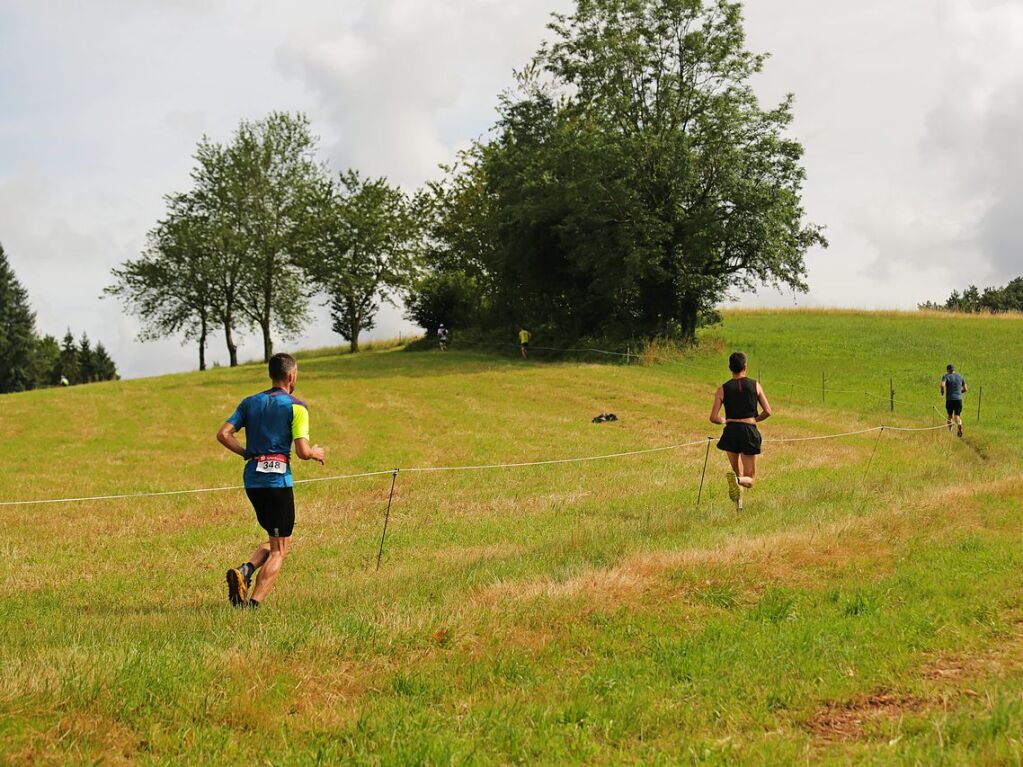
(17, 332)
(86, 361)
(47, 362)
(68, 364)
(106, 370)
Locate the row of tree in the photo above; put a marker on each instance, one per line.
(28, 361)
(264, 227)
(631, 183)
(974, 301)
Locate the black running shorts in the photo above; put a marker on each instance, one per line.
(743, 438)
(954, 407)
(275, 509)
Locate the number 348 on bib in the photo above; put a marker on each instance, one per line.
(272, 464)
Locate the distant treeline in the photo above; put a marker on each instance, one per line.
(632, 181)
(974, 301)
(28, 361)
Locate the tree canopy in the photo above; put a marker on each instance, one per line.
(973, 301)
(633, 181)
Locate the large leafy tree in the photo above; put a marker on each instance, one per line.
(174, 286)
(274, 181)
(228, 252)
(17, 332)
(366, 235)
(634, 180)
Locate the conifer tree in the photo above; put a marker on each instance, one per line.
(68, 364)
(17, 332)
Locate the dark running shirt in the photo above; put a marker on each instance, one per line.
(954, 384)
(740, 398)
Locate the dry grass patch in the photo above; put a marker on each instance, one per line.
(863, 717)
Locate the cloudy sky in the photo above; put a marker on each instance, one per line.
(910, 113)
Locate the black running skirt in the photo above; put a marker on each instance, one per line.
(743, 438)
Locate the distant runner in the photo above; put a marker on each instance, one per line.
(741, 437)
(524, 342)
(272, 420)
(442, 338)
(953, 386)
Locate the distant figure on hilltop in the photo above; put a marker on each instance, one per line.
(442, 338)
(524, 342)
(273, 421)
(741, 439)
(953, 386)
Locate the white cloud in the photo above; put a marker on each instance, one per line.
(910, 113)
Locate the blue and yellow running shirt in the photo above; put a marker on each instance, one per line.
(272, 421)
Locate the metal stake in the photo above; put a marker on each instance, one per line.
(873, 452)
(387, 516)
(706, 459)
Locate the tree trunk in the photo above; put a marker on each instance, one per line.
(232, 349)
(354, 328)
(268, 302)
(268, 343)
(202, 346)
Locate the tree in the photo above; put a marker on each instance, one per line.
(271, 163)
(17, 332)
(46, 362)
(220, 200)
(106, 370)
(366, 235)
(449, 298)
(86, 361)
(68, 363)
(991, 299)
(634, 180)
(174, 287)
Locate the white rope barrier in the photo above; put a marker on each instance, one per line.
(477, 467)
(827, 436)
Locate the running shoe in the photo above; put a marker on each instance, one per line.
(237, 587)
(734, 489)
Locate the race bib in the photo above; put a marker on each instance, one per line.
(271, 466)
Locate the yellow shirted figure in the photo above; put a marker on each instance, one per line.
(524, 342)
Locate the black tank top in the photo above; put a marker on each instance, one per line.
(740, 398)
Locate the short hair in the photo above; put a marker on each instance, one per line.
(950, 367)
(737, 362)
(281, 365)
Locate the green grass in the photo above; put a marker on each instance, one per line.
(583, 613)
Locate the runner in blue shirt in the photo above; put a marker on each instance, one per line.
(953, 386)
(272, 420)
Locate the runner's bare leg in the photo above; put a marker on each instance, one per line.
(733, 458)
(749, 471)
(276, 555)
(258, 558)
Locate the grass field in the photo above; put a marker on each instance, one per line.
(584, 613)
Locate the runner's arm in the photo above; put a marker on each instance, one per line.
(715, 413)
(309, 453)
(941, 386)
(226, 437)
(765, 406)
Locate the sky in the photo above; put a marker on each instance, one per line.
(910, 114)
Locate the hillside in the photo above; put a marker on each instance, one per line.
(866, 606)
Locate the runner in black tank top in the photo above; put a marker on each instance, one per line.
(745, 405)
